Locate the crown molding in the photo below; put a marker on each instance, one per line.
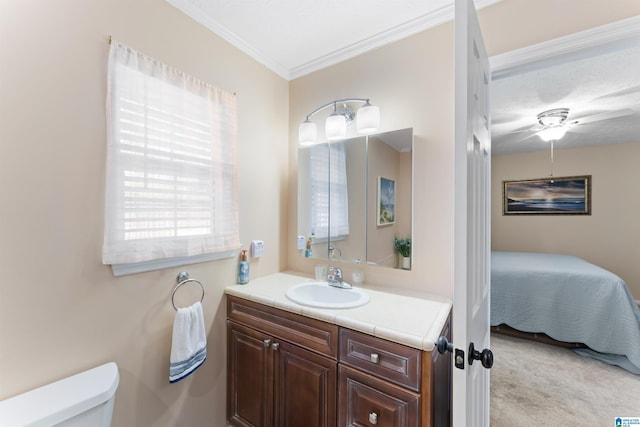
(572, 46)
(422, 23)
(198, 15)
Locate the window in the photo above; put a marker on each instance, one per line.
(171, 185)
(329, 196)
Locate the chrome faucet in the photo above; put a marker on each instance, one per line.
(335, 279)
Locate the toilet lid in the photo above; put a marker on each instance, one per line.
(61, 400)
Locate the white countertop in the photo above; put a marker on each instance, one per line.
(401, 316)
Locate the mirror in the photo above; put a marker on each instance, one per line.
(355, 198)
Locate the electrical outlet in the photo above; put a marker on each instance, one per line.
(257, 248)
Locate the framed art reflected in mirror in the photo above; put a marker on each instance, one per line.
(386, 201)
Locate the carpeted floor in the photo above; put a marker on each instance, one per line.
(534, 384)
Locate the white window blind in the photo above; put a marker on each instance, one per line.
(329, 195)
(171, 184)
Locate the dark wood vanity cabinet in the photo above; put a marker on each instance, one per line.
(286, 369)
(366, 400)
(250, 376)
(388, 384)
(282, 368)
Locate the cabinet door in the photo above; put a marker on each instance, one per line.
(305, 388)
(250, 377)
(369, 401)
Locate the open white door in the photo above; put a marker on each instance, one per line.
(472, 222)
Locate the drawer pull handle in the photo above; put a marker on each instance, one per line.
(267, 343)
(375, 358)
(373, 418)
(275, 346)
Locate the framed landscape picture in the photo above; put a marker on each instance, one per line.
(570, 195)
(386, 201)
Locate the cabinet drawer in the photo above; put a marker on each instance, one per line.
(368, 401)
(393, 362)
(308, 333)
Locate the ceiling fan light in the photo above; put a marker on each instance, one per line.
(368, 118)
(554, 117)
(335, 127)
(552, 133)
(551, 121)
(307, 133)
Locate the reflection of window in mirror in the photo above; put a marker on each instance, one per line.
(329, 194)
(338, 179)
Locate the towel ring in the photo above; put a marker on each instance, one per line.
(183, 279)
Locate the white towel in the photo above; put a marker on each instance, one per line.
(189, 342)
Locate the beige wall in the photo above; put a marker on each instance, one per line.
(61, 310)
(384, 161)
(608, 237)
(513, 24)
(412, 83)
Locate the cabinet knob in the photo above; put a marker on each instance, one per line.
(275, 346)
(375, 358)
(373, 418)
(267, 343)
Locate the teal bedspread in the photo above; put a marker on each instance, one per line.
(570, 300)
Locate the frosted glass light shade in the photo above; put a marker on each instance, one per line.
(335, 127)
(307, 133)
(368, 118)
(553, 133)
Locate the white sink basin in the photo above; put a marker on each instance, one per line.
(321, 295)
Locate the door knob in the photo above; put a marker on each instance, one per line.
(444, 345)
(485, 356)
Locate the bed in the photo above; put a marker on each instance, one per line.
(570, 300)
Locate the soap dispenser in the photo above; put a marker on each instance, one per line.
(243, 269)
(307, 252)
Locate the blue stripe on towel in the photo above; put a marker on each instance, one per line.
(180, 370)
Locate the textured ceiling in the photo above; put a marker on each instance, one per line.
(296, 37)
(604, 82)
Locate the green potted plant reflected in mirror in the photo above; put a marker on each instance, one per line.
(403, 247)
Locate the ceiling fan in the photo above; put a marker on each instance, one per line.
(553, 124)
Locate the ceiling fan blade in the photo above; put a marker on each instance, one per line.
(527, 137)
(622, 93)
(602, 116)
(528, 128)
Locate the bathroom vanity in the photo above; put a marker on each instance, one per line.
(375, 364)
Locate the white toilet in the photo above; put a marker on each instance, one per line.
(82, 400)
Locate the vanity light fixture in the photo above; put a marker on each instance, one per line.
(367, 120)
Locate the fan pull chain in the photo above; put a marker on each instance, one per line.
(551, 175)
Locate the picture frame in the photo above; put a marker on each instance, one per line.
(569, 195)
(386, 201)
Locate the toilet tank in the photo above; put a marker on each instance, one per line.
(84, 399)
